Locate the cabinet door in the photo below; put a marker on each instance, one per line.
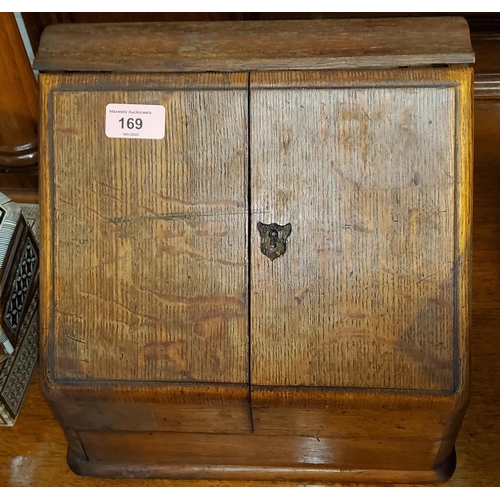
(148, 236)
(366, 168)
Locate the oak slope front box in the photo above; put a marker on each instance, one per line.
(256, 247)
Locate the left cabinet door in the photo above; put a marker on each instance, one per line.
(147, 237)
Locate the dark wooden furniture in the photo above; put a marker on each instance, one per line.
(18, 100)
(171, 345)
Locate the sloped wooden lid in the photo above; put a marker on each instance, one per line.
(255, 45)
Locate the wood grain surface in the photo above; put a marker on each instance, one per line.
(34, 451)
(20, 186)
(249, 451)
(241, 46)
(36, 22)
(332, 311)
(140, 294)
(247, 475)
(487, 67)
(154, 252)
(177, 312)
(18, 99)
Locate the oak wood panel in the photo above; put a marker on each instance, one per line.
(227, 416)
(139, 210)
(386, 181)
(152, 392)
(354, 424)
(429, 452)
(254, 450)
(265, 475)
(36, 22)
(34, 451)
(241, 46)
(18, 99)
(340, 413)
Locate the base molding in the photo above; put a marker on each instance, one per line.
(310, 474)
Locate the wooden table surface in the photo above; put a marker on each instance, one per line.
(33, 452)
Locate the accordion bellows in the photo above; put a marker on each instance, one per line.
(19, 264)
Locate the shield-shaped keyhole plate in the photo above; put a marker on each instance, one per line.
(273, 239)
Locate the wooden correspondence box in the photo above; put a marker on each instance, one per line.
(256, 247)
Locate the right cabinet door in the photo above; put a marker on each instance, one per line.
(367, 167)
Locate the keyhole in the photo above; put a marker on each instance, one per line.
(273, 236)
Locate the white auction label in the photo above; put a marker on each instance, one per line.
(135, 121)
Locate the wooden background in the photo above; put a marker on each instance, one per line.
(37, 21)
(33, 452)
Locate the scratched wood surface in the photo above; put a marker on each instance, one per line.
(33, 453)
(149, 275)
(243, 46)
(364, 295)
(126, 216)
(156, 448)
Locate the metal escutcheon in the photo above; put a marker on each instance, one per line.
(273, 239)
